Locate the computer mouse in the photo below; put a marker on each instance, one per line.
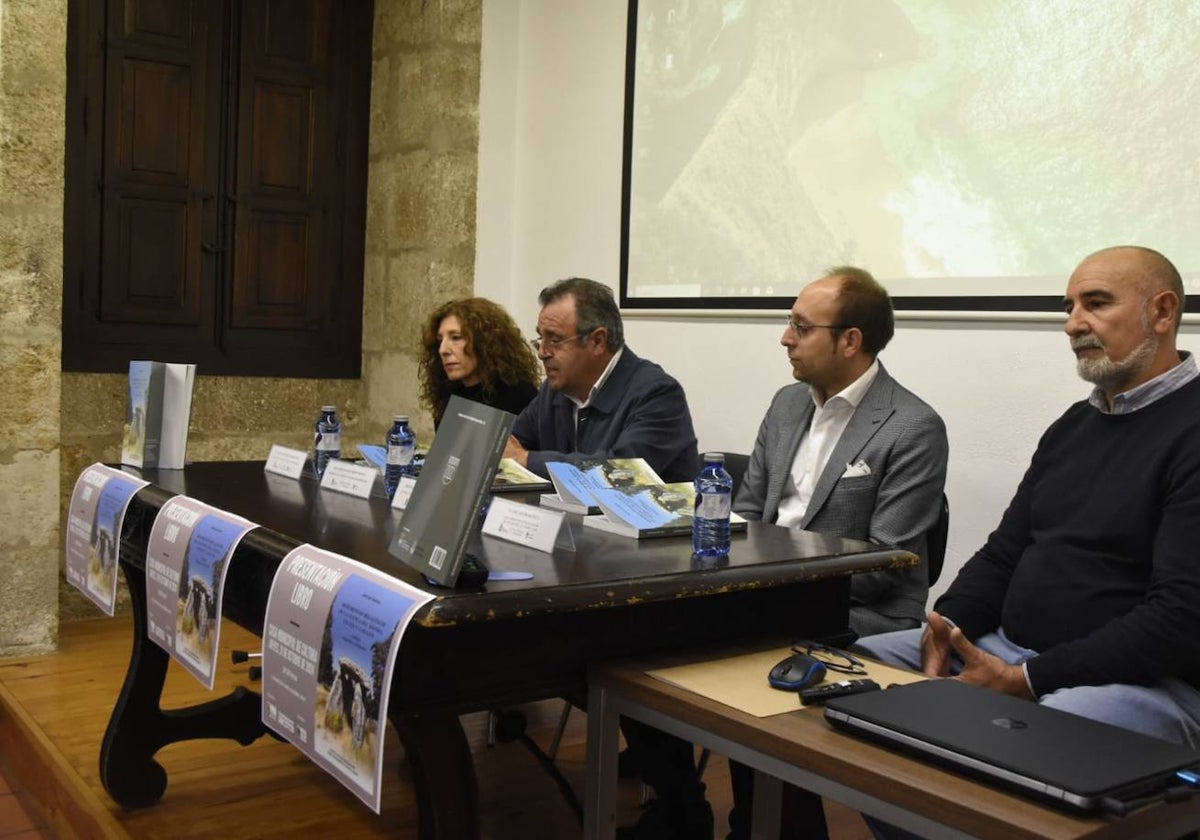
(796, 672)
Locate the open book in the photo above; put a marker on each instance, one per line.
(158, 409)
(657, 510)
(511, 477)
(576, 482)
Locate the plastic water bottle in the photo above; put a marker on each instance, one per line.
(327, 439)
(714, 491)
(401, 446)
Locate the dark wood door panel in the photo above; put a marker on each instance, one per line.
(216, 184)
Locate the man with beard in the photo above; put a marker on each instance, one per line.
(600, 400)
(1086, 597)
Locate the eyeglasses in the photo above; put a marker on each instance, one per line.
(831, 658)
(804, 329)
(551, 344)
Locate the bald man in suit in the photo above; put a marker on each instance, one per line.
(847, 450)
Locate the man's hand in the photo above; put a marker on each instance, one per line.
(984, 669)
(513, 449)
(936, 647)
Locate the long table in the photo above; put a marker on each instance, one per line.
(799, 747)
(508, 643)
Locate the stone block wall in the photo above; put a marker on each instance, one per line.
(32, 84)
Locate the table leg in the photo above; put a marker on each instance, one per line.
(443, 775)
(139, 727)
(604, 727)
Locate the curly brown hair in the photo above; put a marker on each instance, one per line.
(502, 356)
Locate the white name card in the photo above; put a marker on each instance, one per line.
(535, 527)
(403, 492)
(285, 461)
(351, 479)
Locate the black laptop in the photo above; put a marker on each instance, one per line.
(1055, 756)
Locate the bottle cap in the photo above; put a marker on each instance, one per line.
(328, 408)
(714, 457)
(400, 418)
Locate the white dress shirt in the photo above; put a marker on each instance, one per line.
(824, 432)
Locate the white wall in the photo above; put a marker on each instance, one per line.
(551, 115)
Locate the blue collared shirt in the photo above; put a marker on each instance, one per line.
(1146, 393)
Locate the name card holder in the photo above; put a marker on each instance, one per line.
(286, 461)
(403, 492)
(351, 479)
(535, 527)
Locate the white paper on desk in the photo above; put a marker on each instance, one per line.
(741, 681)
(187, 556)
(95, 517)
(331, 632)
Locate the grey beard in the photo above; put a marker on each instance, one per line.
(1110, 376)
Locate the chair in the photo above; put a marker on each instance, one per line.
(935, 542)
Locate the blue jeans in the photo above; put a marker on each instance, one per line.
(1169, 709)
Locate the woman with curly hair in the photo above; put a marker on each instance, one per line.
(474, 349)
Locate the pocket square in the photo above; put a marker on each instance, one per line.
(855, 470)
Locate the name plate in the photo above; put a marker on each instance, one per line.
(403, 492)
(286, 461)
(528, 525)
(351, 479)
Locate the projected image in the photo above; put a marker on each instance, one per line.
(969, 148)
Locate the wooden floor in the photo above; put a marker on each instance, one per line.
(54, 709)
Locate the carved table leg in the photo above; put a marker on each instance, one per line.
(139, 727)
(443, 774)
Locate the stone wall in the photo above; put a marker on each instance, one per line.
(421, 190)
(419, 251)
(32, 85)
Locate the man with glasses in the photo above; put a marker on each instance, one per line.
(849, 452)
(599, 399)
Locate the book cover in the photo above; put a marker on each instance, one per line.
(143, 414)
(575, 482)
(443, 511)
(657, 510)
(158, 410)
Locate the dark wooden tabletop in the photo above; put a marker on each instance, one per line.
(604, 570)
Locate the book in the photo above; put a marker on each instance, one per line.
(158, 410)
(657, 510)
(511, 477)
(443, 511)
(575, 481)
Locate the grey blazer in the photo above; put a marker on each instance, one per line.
(903, 442)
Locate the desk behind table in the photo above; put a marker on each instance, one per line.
(796, 745)
(523, 640)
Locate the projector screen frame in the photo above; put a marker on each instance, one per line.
(997, 304)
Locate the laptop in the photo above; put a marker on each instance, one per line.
(1054, 756)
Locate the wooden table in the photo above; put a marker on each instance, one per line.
(508, 643)
(799, 747)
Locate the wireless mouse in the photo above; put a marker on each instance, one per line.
(796, 672)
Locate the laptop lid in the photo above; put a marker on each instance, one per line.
(1058, 757)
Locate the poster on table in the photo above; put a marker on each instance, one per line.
(330, 636)
(187, 557)
(94, 518)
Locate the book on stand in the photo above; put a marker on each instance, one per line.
(576, 481)
(443, 512)
(656, 510)
(158, 410)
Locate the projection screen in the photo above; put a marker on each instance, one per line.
(967, 152)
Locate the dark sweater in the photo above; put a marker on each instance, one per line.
(510, 398)
(1096, 562)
